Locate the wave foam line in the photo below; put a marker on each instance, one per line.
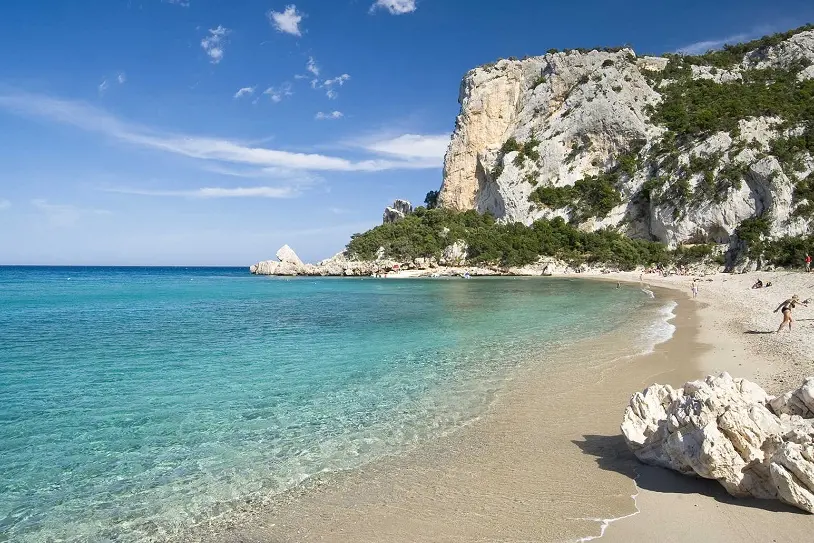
(605, 522)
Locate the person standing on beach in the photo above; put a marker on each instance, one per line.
(786, 308)
(695, 289)
(808, 262)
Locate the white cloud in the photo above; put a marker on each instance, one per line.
(312, 66)
(701, 47)
(333, 115)
(245, 91)
(328, 84)
(215, 192)
(214, 42)
(395, 7)
(411, 145)
(4, 204)
(182, 3)
(103, 86)
(288, 21)
(406, 152)
(121, 77)
(337, 80)
(64, 214)
(277, 94)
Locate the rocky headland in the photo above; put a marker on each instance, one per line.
(713, 152)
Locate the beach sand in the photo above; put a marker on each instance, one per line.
(547, 462)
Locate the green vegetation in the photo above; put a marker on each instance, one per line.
(803, 197)
(593, 196)
(426, 233)
(431, 199)
(731, 55)
(693, 108)
(539, 81)
(524, 151)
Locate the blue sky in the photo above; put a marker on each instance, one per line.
(211, 132)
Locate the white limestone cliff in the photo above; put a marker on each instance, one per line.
(582, 111)
(729, 430)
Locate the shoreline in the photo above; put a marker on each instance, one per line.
(504, 476)
(734, 323)
(615, 497)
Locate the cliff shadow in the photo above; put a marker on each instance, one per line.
(612, 454)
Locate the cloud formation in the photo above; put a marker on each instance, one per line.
(411, 145)
(121, 78)
(215, 192)
(312, 66)
(214, 42)
(329, 84)
(277, 94)
(64, 214)
(288, 21)
(404, 152)
(701, 47)
(245, 91)
(395, 7)
(333, 115)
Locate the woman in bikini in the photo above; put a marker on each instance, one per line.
(786, 308)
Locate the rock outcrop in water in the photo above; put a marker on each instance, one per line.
(729, 430)
(573, 134)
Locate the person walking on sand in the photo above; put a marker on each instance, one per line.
(808, 262)
(786, 308)
(695, 289)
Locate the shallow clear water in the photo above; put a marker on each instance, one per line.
(138, 401)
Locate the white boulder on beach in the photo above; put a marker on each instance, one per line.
(729, 430)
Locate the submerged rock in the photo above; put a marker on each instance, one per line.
(729, 430)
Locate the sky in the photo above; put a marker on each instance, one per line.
(212, 132)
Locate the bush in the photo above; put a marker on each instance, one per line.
(509, 244)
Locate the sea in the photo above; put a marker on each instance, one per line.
(137, 403)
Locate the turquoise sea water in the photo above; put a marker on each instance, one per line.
(135, 402)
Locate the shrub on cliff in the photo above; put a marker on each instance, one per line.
(427, 232)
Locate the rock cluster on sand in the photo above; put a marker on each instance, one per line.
(729, 430)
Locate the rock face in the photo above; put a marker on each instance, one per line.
(397, 211)
(576, 113)
(729, 430)
(287, 255)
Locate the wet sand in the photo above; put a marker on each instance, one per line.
(545, 463)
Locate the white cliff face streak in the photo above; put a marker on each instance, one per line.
(576, 113)
(489, 106)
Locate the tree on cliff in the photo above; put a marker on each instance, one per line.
(431, 200)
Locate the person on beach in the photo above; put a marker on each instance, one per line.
(786, 308)
(694, 289)
(808, 262)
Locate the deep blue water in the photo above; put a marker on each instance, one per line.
(135, 402)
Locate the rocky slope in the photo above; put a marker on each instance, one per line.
(729, 430)
(595, 137)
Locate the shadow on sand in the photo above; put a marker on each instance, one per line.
(756, 332)
(612, 454)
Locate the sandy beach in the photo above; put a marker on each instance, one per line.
(547, 462)
(735, 324)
